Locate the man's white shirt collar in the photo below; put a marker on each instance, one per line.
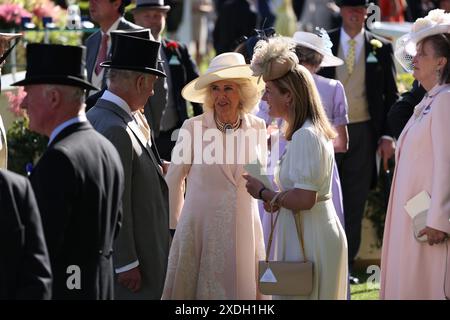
(65, 124)
(122, 104)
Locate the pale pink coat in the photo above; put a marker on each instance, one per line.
(411, 269)
(218, 240)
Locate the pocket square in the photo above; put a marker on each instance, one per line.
(371, 58)
(174, 61)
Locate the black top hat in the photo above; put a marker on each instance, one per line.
(134, 54)
(138, 33)
(352, 3)
(56, 64)
(151, 4)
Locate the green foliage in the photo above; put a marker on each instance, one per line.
(24, 146)
(404, 82)
(363, 290)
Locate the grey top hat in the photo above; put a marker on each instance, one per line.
(151, 4)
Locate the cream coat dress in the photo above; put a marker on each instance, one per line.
(412, 269)
(218, 240)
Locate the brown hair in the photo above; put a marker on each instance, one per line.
(441, 45)
(307, 56)
(306, 102)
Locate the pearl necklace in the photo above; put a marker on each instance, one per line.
(224, 127)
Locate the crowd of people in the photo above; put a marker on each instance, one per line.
(137, 198)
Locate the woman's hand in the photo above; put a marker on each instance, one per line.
(434, 236)
(269, 208)
(253, 186)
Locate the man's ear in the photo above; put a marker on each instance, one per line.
(54, 97)
(442, 62)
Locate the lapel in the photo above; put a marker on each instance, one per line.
(170, 52)
(209, 123)
(93, 51)
(132, 126)
(335, 37)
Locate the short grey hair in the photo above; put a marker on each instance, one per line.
(70, 93)
(248, 95)
(119, 75)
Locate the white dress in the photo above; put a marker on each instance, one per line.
(308, 164)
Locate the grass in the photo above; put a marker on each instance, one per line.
(364, 290)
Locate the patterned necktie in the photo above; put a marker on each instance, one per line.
(350, 59)
(101, 57)
(143, 125)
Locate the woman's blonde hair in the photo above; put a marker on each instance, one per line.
(306, 102)
(248, 95)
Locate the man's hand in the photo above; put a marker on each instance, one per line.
(434, 236)
(130, 279)
(386, 150)
(165, 166)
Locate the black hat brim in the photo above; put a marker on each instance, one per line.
(151, 6)
(156, 72)
(62, 80)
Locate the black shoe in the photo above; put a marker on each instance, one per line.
(353, 280)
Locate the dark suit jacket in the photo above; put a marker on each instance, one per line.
(79, 185)
(234, 20)
(380, 83)
(403, 109)
(144, 236)
(93, 45)
(24, 262)
(182, 70)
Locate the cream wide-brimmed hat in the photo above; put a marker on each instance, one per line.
(8, 37)
(322, 44)
(436, 22)
(229, 65)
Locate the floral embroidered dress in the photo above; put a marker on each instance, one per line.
(218, 240)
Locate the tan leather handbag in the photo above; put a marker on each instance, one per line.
(285, 278)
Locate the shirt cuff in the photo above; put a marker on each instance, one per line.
(387, 138)
(128, 267)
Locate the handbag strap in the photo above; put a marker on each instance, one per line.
(297, 219)
(273, 223)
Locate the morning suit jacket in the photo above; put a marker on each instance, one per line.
(381, 87)
(93, 45)
(78, 184)
(403, 109)
(144, 236)
(182, 70)
(24, 262)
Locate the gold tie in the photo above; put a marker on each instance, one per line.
(143, 125)
(350, 59)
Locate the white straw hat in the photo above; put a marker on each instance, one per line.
(436, 22)
(229, 65)
(322, 44)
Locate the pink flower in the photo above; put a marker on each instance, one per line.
(12, 13)
(15, 101)
(45, 8)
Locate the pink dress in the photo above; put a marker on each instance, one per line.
(218, 240)
(412, 269)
